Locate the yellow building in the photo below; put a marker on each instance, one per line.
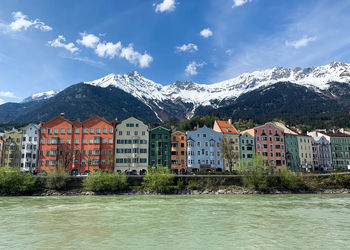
(305, 152)
(230, 134)
(11, 156)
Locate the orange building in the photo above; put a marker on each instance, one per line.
(178, 152)
(79, 147)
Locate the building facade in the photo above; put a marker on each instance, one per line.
(322, 154)
(131, 147)
(11, 155)
(247, 145)
(269, 142)
(178, 152)
(340, 147)
(230, 134)
(93, 145)
(305, 153)
(29, 149)
(159, 147)
(203, 150)
(78, 147)
(291, 146)
(292, 152)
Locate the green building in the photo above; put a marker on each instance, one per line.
(159, 147)
(292, 152)
(11, 155)
(247, 145)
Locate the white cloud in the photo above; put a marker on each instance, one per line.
(59, 43)
(187, 48)
(7, 94)
(237, 3)
(228, 52)
(301, 42)
(85, 60)
(165, 6)
(135, 57)
(206, 33)
(21, 22)
(191, 69)
(108, 49)
(88, 40)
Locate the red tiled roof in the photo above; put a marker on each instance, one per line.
(226, 128)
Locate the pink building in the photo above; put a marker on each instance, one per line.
(269, 142)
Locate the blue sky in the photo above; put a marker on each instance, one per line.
(49, 45)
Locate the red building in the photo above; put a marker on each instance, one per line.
(269, 142)
(79, 147)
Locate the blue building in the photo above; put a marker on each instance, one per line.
(203, 150)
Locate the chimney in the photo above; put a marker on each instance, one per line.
(62, 114)
(230, 121)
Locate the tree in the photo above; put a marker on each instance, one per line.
(67, 154)
(228, 152)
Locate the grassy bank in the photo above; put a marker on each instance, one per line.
(160, 180)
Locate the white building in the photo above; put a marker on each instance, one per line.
(30, 145)
(131, 146)
(321, 148)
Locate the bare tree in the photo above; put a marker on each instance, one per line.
(228, 152)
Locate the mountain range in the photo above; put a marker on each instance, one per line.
(315, 92)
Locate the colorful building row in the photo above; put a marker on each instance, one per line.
(130, 146)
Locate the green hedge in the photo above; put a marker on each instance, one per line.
(13, 182)
(101, 181)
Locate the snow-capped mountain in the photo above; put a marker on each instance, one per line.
(318, 92)
(153, 94)
(41, 96)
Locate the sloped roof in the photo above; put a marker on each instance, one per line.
(250, 131)
(226, 128)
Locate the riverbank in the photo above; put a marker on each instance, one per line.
(160, 181)
(238, 191)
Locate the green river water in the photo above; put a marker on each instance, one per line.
(176, 222)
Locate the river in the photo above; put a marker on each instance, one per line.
(176, 222)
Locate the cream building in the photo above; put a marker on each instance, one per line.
(305, 152)
(131, 146)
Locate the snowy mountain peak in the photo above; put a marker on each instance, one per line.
(206, 94)
(41, 96)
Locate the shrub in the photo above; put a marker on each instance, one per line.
(12, 181)
(56, 179)
(289, 180)
(101, 181)
(194, 185)
(158, 179)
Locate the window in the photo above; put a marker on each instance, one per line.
(110, 140)
(91, 130)
(69, 130)
(143, 133)
(127, 132)
(136, 133)
(62, 130)
(43, 131)
(85, 130)
(120, 132)
(76, 141)
(77, 130)
(55, 130)
(98, 130)
(104, 130)
(84, 141)
(111, 130)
